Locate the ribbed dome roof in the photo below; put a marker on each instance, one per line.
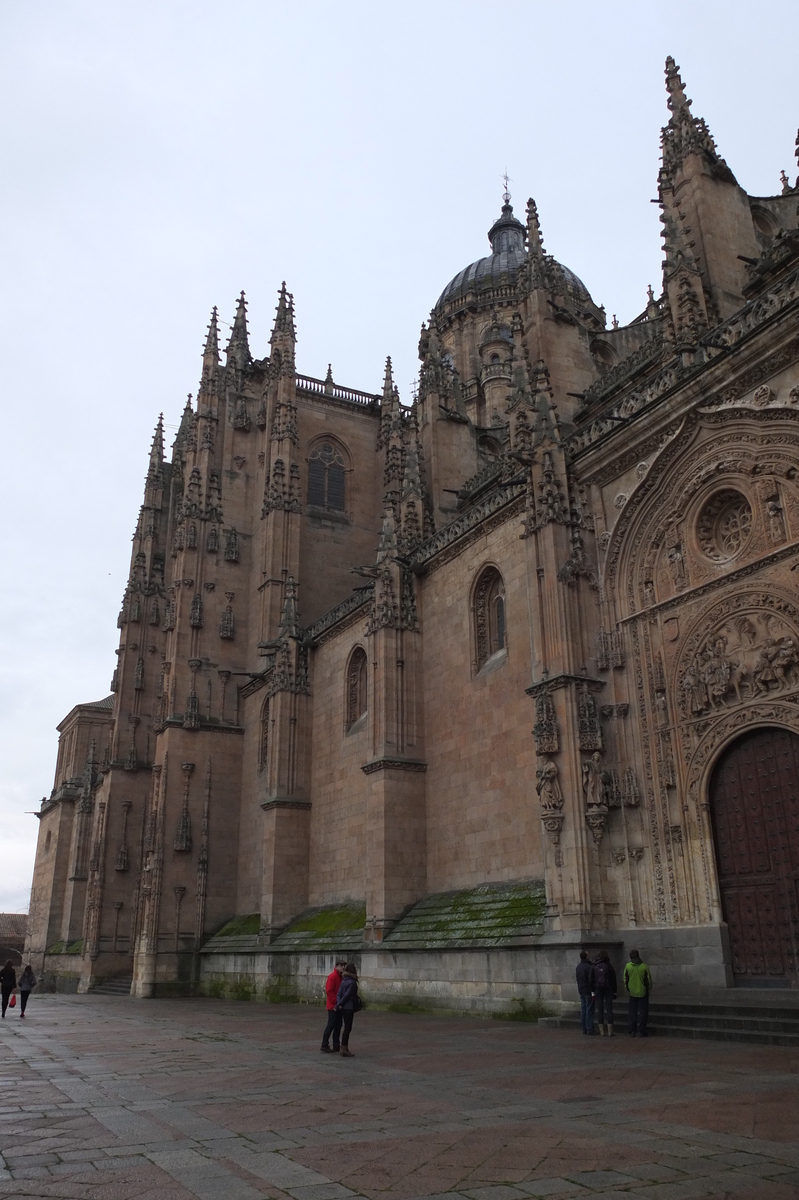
(500, 268)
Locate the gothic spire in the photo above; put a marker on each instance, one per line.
(211, 347)
(284, 315)
(208, 382)
(685, 134)
(238, 347)
(157, 451)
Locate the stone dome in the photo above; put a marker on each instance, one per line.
(501, 267)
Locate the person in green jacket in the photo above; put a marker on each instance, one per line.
(638, 983)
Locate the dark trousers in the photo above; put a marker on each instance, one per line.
(23, 999)
(587, 1013)
(637, 1013)
(333, 1026)
(604, 1007)
(6, 996)
(347, 1015)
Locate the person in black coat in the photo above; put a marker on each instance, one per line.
(8, 981)
(604, 992)
(585, 986)
(348, 1002)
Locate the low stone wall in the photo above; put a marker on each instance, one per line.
(526, 980)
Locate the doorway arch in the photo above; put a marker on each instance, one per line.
(754, 804)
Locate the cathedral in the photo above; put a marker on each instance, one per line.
(462, 687)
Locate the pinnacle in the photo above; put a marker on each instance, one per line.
(157, 447)
(388, 380)
(238, 344)
(535, 240)
(289, 620)
(284, 314)
(674, 86)
(211, 348)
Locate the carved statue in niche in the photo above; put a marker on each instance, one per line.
(776, 520)
(548, 788)
(676, 563)
(751, 655)
(595, 782)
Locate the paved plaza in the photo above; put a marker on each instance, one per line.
(110, 1098)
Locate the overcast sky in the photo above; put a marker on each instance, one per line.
(158, 157)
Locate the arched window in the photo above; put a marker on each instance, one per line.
(263, 744)
(356, 686)
(326, 477)
(489, 615)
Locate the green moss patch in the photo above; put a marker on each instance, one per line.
(336, 927)
(65, 947)
(241, 926)
(493, 914)
(329, 920)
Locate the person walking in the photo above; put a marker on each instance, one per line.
(8, 981)
(638, 982)
(332, 984)
(585, 987)
(348, 1002)
(27, 982)
(605, 992)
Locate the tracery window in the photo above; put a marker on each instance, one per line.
(489, 615)
(724, 524)
(326, 477)
(356, 686)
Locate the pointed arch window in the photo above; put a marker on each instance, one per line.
(327, 474)
(356, 698)
(489, 616)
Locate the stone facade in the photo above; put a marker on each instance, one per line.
(373, 654)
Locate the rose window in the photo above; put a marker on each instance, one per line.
(724, 525)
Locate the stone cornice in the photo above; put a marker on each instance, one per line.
(554, 682)
(300, 805)
(495, 509)
(394, 764)
(321, 630)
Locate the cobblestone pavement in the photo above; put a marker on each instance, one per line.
(114, 1099)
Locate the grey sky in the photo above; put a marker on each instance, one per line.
(160, 157)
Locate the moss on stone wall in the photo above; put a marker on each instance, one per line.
(329, 920)
(493, 914)
(241, 926)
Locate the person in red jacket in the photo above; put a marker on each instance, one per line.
(334, 1018)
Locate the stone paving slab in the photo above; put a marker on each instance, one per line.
(107, 1098)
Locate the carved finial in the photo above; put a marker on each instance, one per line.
(614, 324)
(674, 86)
(650, 294)
(785, 181)
(329, 380)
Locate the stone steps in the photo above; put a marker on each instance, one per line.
(119, 986)
(716, 1022)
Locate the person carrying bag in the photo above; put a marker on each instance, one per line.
(8, 981)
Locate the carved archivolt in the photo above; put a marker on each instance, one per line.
(705, 504)
(722, 732)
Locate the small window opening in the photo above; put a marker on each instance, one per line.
(326, 478)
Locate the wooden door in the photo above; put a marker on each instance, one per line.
(754, 801)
